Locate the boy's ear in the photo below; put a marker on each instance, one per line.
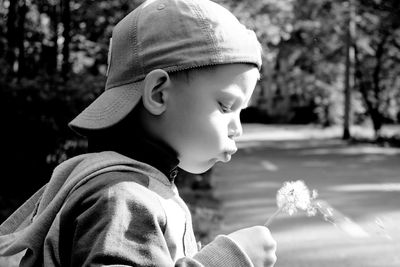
(154, 93)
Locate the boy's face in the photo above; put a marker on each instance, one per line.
(202, 116)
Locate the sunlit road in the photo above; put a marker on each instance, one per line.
(360, 181)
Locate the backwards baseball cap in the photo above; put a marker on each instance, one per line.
(172, 35)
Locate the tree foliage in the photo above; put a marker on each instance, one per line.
(377, 59)
(304, 40)
(53, 55)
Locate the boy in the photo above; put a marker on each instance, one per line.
(180, 71)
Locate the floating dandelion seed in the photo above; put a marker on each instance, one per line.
(382, 228)
(295, 195)
(339, 220)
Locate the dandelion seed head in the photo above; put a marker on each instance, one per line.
(295, 195)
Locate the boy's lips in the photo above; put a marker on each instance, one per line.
(227, 155)
(231, 151)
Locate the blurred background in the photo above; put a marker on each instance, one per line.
(331, 71)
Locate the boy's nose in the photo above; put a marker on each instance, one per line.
(235, 127)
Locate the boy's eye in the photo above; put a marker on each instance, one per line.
(225, 108)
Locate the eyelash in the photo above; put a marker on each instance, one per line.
(224, 108)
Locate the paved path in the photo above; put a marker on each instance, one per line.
(360, 181)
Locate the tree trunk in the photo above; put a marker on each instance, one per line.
(347, 90)
(371, 102)
(378, 121)
(66, 20)
(350, 35)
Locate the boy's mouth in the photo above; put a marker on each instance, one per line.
(227, 155)
(231, 151)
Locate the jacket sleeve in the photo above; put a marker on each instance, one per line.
(123, 225)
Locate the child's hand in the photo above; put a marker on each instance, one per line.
(258, 244)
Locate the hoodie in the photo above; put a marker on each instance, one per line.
(102, 209)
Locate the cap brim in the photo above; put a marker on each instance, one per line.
(109, 108)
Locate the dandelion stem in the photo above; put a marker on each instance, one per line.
(273, 216)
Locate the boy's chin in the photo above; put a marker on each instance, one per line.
(197, 169)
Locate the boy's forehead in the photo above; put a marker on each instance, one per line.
(216, 69)
(231, 79)
(237, 71)
(149, 2)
